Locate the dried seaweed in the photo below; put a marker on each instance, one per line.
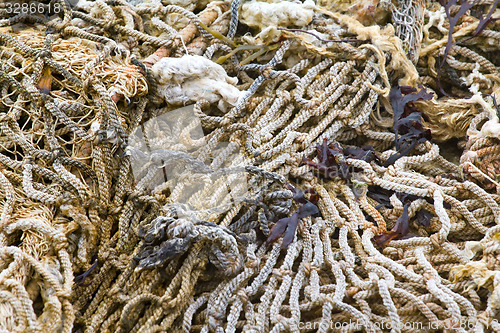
(402, 226)
(332, 162)
(287, 226)
(380, 195)
(80, 279)
(407, 121)
(484, 21)
(465, 5)
(363, 153)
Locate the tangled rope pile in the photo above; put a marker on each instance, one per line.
(151, 158)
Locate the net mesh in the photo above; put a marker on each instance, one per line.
(148, 154)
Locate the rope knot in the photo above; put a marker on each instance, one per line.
(436, 240)
(242, 294)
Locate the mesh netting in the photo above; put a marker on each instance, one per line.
(153, 154)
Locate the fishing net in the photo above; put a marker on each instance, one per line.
(214, 166)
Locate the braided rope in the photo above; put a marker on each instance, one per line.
(119, 216)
